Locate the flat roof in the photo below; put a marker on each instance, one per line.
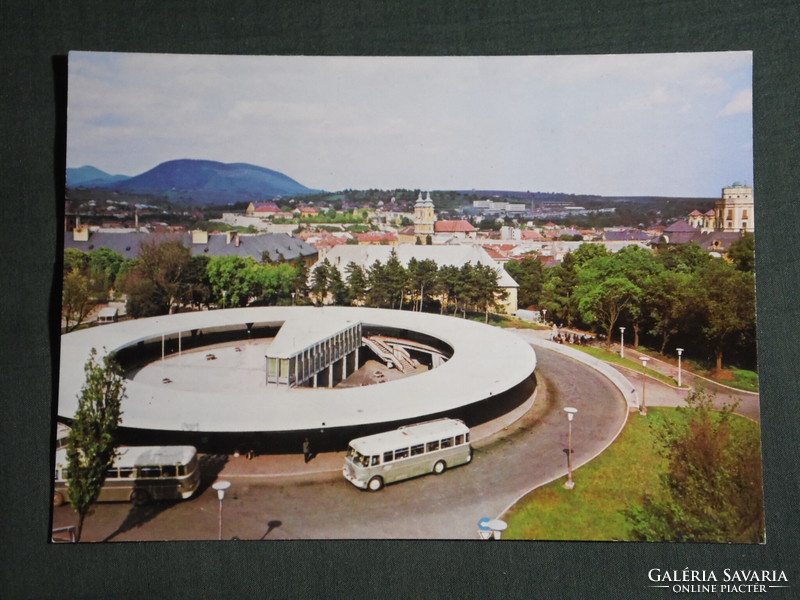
(486, 361)
(298, 334)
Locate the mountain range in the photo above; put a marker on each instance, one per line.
(196, 182)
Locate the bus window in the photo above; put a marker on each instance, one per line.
(111, 474)
(459, 440)
(417, 450)
(447, 443)
(433, 446)
(149, 471)
(402, 453)
(169, 471)
(126, 472)
(388, 456)
(375, 460)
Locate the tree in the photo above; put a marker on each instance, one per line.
(396, 280)
(91, 443)
(155, 282)
(229, 282)
(743, 253)
(104, 264)
(558, 291)
(529, 275)
(488, 292)
(712, 488)
(356, 283)
(196, 285)
(669, 298)
(76, 298)
(604, 300)
(321, 276)
(421, 274)
(727, 304)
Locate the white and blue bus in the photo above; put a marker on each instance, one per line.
(430, 447)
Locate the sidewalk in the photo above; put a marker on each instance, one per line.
(328, 464)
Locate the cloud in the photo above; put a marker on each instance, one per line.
(741, 104)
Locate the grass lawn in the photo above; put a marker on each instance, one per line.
(614, 358)
(606, 486)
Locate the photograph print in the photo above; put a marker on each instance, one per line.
(472, 298)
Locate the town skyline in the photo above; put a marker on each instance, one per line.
(632, 125)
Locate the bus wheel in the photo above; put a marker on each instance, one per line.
(140, 497)
(439, 467)
(375, 484)
(58, 498)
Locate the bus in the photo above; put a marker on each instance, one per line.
(430, 447)
(140, 474)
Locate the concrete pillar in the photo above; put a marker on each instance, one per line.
(315, 379)
(330, 375)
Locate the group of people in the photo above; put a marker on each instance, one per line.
(569, 337)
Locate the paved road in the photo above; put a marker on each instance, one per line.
(319, 504)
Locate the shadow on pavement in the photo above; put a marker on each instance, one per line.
(270, 526)
(210, 467)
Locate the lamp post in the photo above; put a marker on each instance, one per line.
(570, 414)
(622, 342)
(643, 407)
(680, 351)
(221, 486)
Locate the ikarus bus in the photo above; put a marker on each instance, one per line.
(430, 447)
(140, 474)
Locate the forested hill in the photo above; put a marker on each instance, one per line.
(209, 182)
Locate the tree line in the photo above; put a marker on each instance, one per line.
(421, 285)
(165, 277)
(676, 296)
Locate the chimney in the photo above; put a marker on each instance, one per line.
(199, 236)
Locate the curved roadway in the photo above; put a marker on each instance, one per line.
(320, 504)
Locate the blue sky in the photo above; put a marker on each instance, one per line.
(646, 124)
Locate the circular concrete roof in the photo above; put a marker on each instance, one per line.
(486, 361)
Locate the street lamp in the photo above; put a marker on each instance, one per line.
(622, 342)
(570, 414)
(680, 351)
(221, 486)
(643, 407)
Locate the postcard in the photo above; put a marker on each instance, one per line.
(474, 298)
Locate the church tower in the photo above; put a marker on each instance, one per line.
(424, 217)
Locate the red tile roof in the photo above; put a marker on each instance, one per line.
(459, 226)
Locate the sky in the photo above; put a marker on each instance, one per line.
(613, 125)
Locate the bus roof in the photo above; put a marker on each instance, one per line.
(409, 435)
(134, 456)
